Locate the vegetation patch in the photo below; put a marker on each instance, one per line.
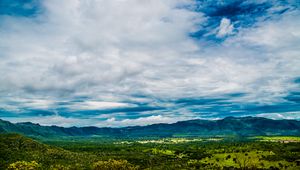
(19, 152)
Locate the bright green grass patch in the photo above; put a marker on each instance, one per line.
(278, 138)
(252, 159)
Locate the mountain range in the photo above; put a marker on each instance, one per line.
(236, 126)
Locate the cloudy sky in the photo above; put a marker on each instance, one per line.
(138, 62)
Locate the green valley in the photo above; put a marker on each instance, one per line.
(19, 152)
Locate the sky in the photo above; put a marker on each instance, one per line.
(138, 62)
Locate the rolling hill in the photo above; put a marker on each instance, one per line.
(15, 147)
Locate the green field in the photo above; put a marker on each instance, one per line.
(18, 152)
(284, 139)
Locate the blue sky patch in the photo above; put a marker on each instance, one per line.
(20, 8)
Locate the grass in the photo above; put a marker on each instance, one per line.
(247, 159)
(277, 138)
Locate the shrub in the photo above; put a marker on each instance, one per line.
(114, 165)
(23, 165)
(60, 167)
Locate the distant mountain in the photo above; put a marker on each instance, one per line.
(237, 126)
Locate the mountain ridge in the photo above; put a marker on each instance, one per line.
(238, 126)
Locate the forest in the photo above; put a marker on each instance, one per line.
(94, 153)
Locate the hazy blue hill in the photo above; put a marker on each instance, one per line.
(246, 126)
(242, 126)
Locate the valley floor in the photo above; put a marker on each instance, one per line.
(19, 152)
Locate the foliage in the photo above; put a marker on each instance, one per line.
(23, 165)
(114, 164)
(60, 167)
(284, 139)
(160, 153)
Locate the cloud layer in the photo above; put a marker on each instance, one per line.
(136, 62)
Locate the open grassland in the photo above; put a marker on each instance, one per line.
(283, 139)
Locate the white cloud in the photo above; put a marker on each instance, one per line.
(108, 51)
(279, 35)
(17, 104)
(140, 121)
(111, 122)
(274, 56)
(37, 103)
(96, 105)
(287, 115)
(89, 48)
(225, 28)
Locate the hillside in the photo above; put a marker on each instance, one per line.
(15, 147)
(243, 126)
